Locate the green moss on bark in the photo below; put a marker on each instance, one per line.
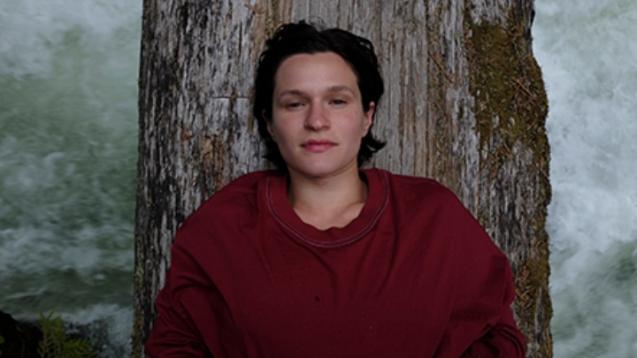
(509, 91)
(510, 112)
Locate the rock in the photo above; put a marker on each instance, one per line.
(19, 339)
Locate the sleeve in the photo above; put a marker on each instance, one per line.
(481, 324)
(499, 335)
(173, 333)
(192, 316)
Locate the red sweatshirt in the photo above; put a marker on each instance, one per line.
(414, 275)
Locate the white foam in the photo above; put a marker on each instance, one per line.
(587, 53)
(32, 30)
(119, 324)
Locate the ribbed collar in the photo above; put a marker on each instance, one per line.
(282, 211)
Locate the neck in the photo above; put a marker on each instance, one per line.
(317, 196)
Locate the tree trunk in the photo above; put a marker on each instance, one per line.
(464, 104)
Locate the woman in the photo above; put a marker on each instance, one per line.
(320, 258)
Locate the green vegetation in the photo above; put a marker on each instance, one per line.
(510, 98)
(56, 343)
(510, 110)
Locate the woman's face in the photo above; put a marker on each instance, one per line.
(318, 121)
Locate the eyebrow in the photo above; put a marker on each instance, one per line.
(337, 88)
(340, 89)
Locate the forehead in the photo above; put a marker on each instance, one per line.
(323, 70)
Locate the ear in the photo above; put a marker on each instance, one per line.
(369, 118)
(270, 130)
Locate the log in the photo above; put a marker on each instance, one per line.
(465, 104)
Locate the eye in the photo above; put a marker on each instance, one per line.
(293, 104)
(338, 101)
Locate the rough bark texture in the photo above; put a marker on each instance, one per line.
(464, 104)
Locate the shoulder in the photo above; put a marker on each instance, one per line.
(426, 203)
(413, 191)
(232, 203)
(429, 204)
(244, 187)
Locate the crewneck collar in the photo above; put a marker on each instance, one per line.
(282, 211)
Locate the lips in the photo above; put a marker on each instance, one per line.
(317, 146)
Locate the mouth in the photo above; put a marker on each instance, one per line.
(317, 146)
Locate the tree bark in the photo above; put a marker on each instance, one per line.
(464, 104)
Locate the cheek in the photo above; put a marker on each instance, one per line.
(274, 128)
(280, 133)
(364, 127)
(271, 131)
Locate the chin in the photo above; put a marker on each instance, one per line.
(314, 172)
(320, 170)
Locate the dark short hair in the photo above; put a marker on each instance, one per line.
(295, 38)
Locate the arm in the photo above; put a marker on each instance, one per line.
(173, 334)
(502, 338)
(193, 318)
(481, 324)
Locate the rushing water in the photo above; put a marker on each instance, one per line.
(68, 129)
(588, 53)
(68, 150)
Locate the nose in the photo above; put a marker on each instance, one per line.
(316, 118)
